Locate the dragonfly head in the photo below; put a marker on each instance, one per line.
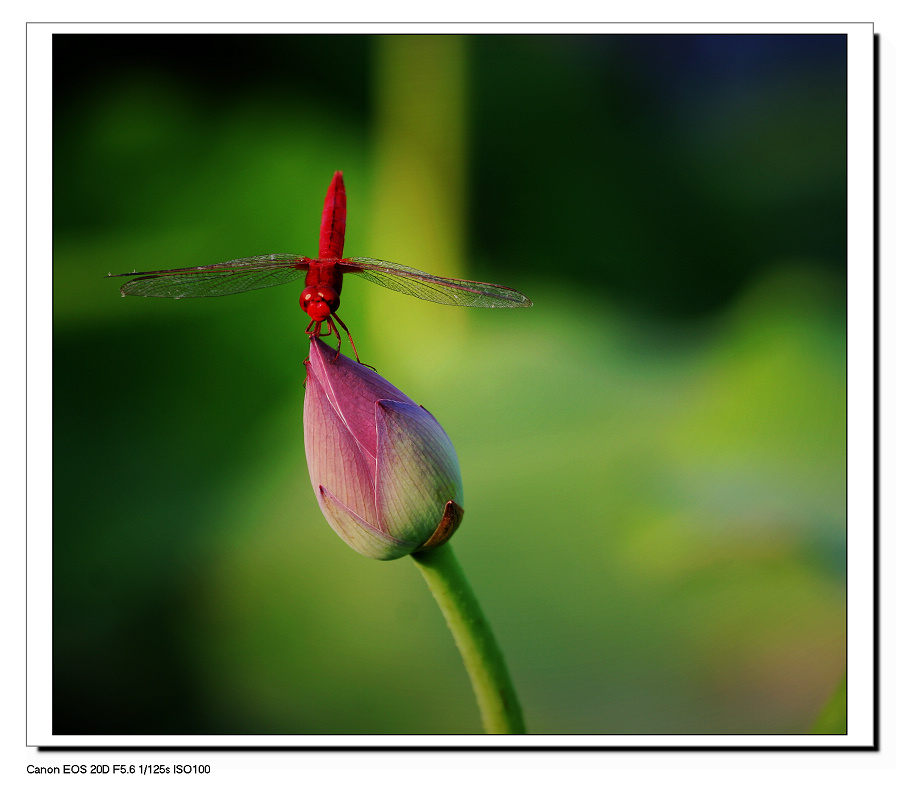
(319, 302)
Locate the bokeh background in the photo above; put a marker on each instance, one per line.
(653, 455)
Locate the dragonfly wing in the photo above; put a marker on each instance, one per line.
(448, 291)
(216, 280)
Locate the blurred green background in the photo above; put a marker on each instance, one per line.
(653, 455)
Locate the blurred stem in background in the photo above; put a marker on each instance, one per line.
(418, 197)
(418, 220)
(833, 717)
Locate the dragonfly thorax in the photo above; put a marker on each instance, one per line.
(319, 302)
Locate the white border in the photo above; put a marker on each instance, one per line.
(860, 400)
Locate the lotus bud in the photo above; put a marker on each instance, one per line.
(384, 472)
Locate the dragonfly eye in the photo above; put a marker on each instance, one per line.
(319, 301)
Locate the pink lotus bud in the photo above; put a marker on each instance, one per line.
(383, 469)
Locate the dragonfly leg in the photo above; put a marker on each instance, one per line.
(314, 330)
(338, 318)
(337, 335)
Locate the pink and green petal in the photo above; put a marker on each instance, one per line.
(333, 455)
(359, 534)
(417, 471)
(352, 390)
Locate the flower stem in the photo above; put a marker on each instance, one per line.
(497, 700)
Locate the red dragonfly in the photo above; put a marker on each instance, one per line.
(324, 276)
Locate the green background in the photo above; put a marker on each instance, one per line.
(653, 455)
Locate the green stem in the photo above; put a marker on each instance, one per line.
(500, 710)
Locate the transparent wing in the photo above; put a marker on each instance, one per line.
(216, 280)
(448, 291)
